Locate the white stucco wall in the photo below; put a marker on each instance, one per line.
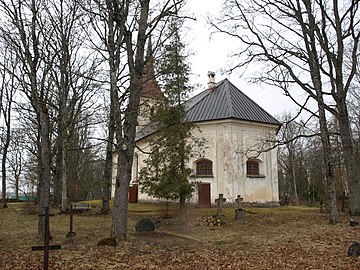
(228, 146)
(229, 143)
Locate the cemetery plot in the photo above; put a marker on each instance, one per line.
(268, 238)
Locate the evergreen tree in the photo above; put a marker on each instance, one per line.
(167, 172)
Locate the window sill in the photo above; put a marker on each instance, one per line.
(203, 176)
(255, 176)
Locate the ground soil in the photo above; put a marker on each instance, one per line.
(268, 238)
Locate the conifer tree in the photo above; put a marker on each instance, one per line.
(167, 172)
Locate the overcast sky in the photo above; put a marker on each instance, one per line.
(211, 54)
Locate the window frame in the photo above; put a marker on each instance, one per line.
(253, 168)
(203, 167)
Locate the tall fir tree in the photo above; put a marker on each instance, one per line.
(167, 173)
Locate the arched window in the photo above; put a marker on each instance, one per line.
(203, 167)
(252, 167)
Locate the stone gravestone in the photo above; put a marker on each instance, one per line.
(220, 201)
(354, 249)
(353, 223)
(145, 225)
(239, 212)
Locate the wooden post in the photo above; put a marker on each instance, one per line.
(220, 202)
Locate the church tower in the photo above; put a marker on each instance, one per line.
(151, 92)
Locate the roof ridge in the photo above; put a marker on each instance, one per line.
(255, 103)
(224, 101)
(229, 99)
(206, 92)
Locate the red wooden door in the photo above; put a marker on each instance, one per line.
(204, 194)
(133, 194)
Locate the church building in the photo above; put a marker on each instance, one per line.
(238, 157)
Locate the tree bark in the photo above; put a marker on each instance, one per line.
(182, 210)
(3, 167)
(315, 73)
(114, 36)
(349, 156)
(45, 161)
(125, 133)
(7, 115)
(107, 181)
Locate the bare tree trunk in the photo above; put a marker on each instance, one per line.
(107, 182)
(45, 161)
(293, 175)
(64, 194)
(57, 178)
(315, 73)
(114, 114)
(327, 159)
(125, 133)
(3, 168)
(4, 154)
(349, 156)
(120, 212)
(17, 182)
(7, 95)
(182, 210)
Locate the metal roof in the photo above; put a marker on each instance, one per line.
(225, 101)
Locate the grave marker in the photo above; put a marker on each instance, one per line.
(239, 212)
(239, 200)
(46, 247)
(220, 201)
(71, 233)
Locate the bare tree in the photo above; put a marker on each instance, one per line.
(289, 153)
(8, 90)
(125, 56)
(109, 30)
(125, 124)
(73, 75)
(16, 158)
(302, 44)
(26, 32)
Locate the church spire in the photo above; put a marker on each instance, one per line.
(151, 88)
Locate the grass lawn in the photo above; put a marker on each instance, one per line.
(268, 238)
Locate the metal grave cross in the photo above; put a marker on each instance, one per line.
(46, 247)
(71, 233)
(220, 202)
(239, 200)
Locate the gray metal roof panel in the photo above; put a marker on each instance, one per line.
(226, 101)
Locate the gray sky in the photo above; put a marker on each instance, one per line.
(211, 54)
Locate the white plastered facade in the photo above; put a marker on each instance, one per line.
(229, 144)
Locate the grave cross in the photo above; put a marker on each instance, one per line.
(220, 202)
(239, 200)
(71, 233)
(46, 247)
